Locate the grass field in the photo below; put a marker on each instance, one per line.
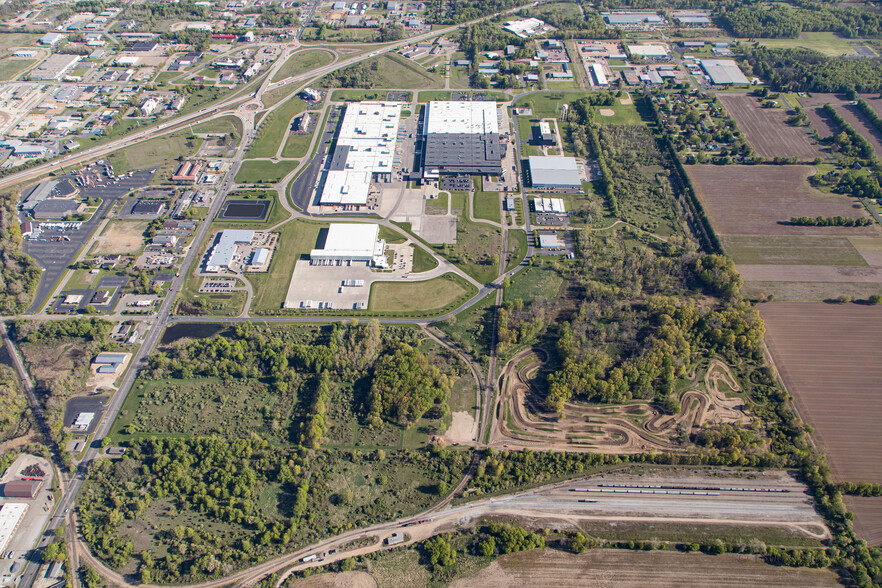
(487, 204)
(273, 97)
(547, 104)
(430, 95)
(427, 296)
(296, 238)
(827, 43)
(532, 283)
(393, 72)
(437, 205)
(423, 260)
(272, 128)
(624, 114)
(468, 327)
(9, 68)
(795, 249)
(225, 124)
(303, 61)
(297, 145)
(476, 244)
(264, 172)
(517, 248)
(160, 153)
(345, 95)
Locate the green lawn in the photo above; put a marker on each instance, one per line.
(393, 71)
(359, 95)
(562, 85)
(827, 43)
(9, 68)
(225, 124)
(476, 244)
(487, 204)
(547, 104)
(431, 296)
(624, 115)
(273, 127)
(423, 260)
(517, 248)
(273, 97)
(534, 282)
(296, 238)
(160, 153)
(430, 95)
(264, 172)
(303, 61)
(437, 205)
(298, 145)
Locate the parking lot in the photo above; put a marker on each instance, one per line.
(54, 254)
(80, 404)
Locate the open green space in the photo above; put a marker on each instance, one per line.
(517, 248)
(534, 282)
(303, 61)
(161, 153)
(224, 124)
(430, 296)
(345, 95)
(274, 216)
(14, 40)
(437, 205)
(272, 128)
(193, 303)
(477, 247)
(263, 171)
(791, 250)
(385, 71)
(423, 260)
(431, 95)
(459, 77)
(297, 145)
(827, 43)
(547, 104)
(562, 85)
(624, 115)
(487, 204)
(470, 329)
(9, 68)
(296, 238)
(273, 97)
(339, 35)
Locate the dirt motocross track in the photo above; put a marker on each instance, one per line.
(523, 421)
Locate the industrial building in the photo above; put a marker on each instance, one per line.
(542, 134)
(148, 207)
(554, 173)
(549, 206)
(549, 241)
(21, 488)
(461, 138)
(55, 67)
(598, 76)
(11, 515)
(723, 71)
(47, 189)
(109, 363)
(527, 27)
(224, 248)
(632, 19)
(365, 149)
(52, 39)
(54, 208)
(351, 242)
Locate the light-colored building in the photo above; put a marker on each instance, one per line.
(52, 39)
(83, 421)
(527, 27)
(462, 138)
(11, 515)
(224, 250)
(351, 243)
(724, 72)
(55, 67)
(554, 173)
(549, 241)
(365, 148)
(549, 206)
(149, 107)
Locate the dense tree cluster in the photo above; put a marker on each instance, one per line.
(89, 329)
(830, 221)
(21, 274)
(405, 386)
(865, 109)
(859, 185)
(804, 70)
(449, 12)
(784, 21)
(585, 136)
(850, 142)
(718, 275)
(860, 488)
(13, 404)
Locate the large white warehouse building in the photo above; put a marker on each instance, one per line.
(462, 138)
(351, 242)
(365, 148)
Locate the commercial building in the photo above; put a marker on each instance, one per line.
(55, 67)
(365, 149)
(461, 138)
(148, 207)
(260, 257)
(224, 249)
(38, 194)
(632, 19)
(527, 27)
(21, 488)
(549, 241)
(11, 515)
(83, 422)
(542, 134)
(54, 208)
(351, 243)
(554, 173)
(109, 363)
(549, 206)
(52, 39)
(188, 172)
(693, 20)
(598, 76)
(649, 50)
(144, 46)
(149, 106)
(724, 72)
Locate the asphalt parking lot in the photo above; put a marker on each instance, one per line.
(85, 404)
(55, 255)
(302, 188)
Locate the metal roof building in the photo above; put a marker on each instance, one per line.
(724, 71)
(54, 208)
(549, 205)
(225, 248)
(21, 488)
(632, 18)
(348, 242)
(11, 515)
(462, 138)
(549, 241)
(554, 172)
(365, 146)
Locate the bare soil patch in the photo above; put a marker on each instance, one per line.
(607, 112)
(340, 580)
(767, 129)
(827, 356)
(803, 291)
(849, 112)
(601, 568)
(810, 273)
(121, 237)
(753, 200)
(867, 517)
(462, 428)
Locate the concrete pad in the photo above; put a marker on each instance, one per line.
(323, 283)
(438, 229)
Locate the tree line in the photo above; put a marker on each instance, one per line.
(829, 221)
(21, 274)
(805, 70)
(850, 142)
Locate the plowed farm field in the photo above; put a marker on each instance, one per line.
(767, 130)
(867, 517)
(629, 569)
(757, 199)
(846, 110)
(828, 357)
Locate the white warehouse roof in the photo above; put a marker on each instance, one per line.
(11, 515)
(554, 171)
(471, 118)
(549, 205)
(225, 247)
(352, 242)
(365, 146)
(724, 71)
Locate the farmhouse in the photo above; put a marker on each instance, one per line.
(224, 249)
(462, 138)
(365, 149)
(554, 173)
(351, 242)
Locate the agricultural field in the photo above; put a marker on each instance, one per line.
(814, 102)
(826, 356)
(827, 43)
(868, 517)
(767, 129)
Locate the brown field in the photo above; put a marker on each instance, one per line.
(848, 112)
(623, 569)
(121, 237)
(339, 580)
(802, 291)
(827, 356)
(867, 517)
(753, 200)
(767, 130)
